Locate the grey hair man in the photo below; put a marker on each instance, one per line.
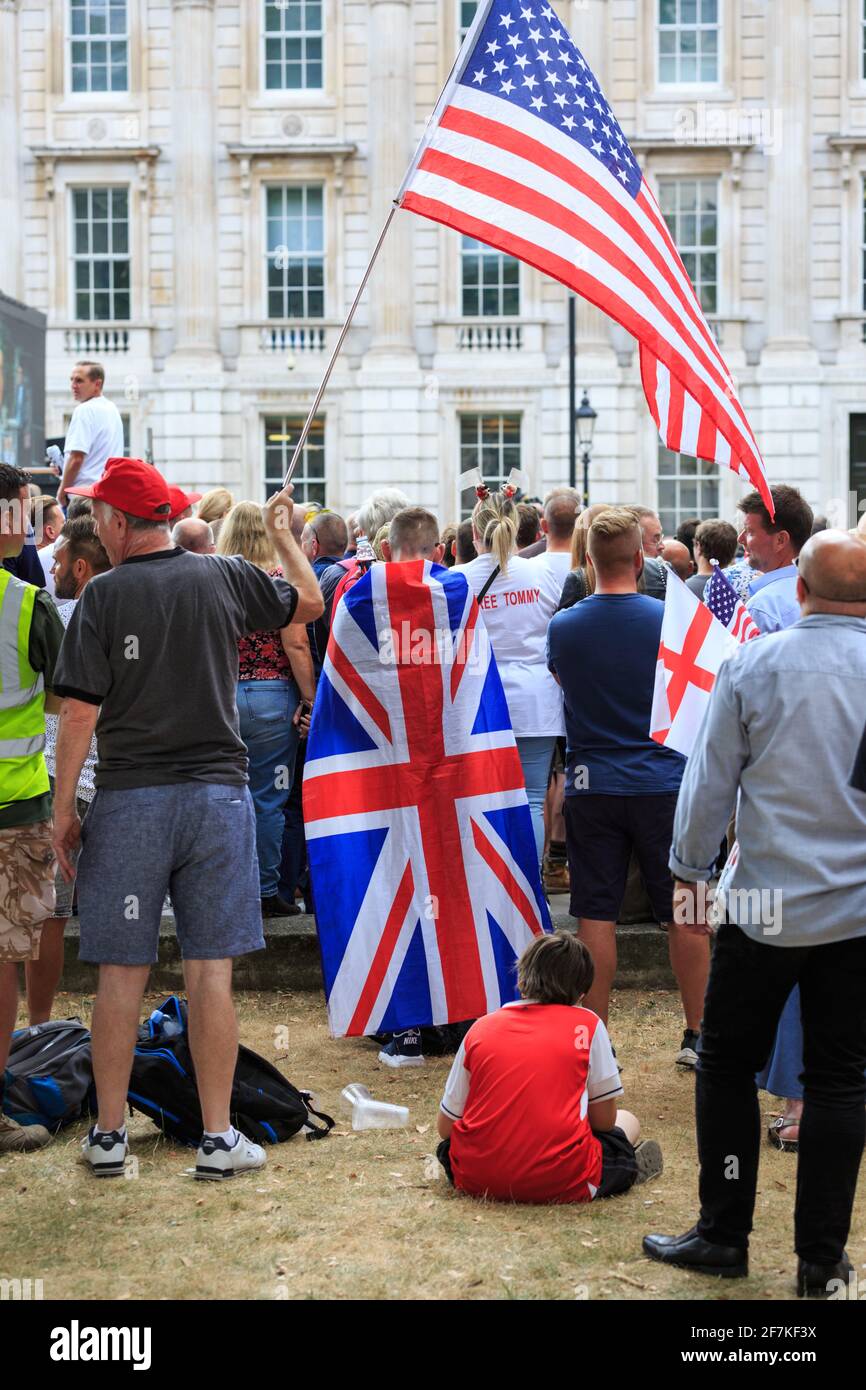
(379, 509)
(194, 535)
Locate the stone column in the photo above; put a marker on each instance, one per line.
(194, 159)
(788, 221)
(11, 210)
(391, 139)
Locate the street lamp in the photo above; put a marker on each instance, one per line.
(586, 418)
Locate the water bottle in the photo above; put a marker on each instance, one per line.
(368, 1113)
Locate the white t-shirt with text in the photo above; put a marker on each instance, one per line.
(517, 609)
(96, 431)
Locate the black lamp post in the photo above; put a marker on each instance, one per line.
(585, 417)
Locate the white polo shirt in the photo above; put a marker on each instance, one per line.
(517, 609)
(96, 431)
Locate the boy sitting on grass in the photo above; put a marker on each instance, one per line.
(529, 1112)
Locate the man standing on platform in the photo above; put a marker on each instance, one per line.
(95, 431)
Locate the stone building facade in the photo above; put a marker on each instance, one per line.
(191, 189)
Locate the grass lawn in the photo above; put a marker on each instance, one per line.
(364, 1216)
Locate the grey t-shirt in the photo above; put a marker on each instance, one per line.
(154, 642)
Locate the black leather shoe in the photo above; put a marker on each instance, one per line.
(276, 906)
(813, 1280)
(691, 1251)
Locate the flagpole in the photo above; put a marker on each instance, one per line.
(453, 77)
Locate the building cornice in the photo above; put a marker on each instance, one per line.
(49, 156)
(247, 155)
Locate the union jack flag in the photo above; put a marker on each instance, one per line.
(421, 850)
(724, 603)
(524, 153)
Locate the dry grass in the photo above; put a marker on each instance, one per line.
(358, 1216)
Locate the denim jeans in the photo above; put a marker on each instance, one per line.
(536, 755)
(749, 985)
(265, 710)
(293, 867)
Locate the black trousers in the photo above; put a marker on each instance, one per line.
(749, 984)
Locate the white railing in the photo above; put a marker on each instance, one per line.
(490, 337)
(301, 338)
(96, 341)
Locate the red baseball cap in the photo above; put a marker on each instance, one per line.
(180, 500)
(132, 486)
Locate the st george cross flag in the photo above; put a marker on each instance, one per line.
(724, 603)
(425, 876)
(524, 153)
(693, 646)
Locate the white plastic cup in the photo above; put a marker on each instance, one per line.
(368, 1113)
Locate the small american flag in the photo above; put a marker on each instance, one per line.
(523, 152)
(722, 599)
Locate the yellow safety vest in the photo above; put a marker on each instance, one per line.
(23, 773)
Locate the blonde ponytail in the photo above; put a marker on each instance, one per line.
(495, 520)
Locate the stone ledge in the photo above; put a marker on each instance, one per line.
(291, 960)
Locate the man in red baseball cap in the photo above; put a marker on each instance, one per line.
(182, 503)
(132, 486)
(150, 662)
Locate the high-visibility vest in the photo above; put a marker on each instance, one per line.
(23, 773)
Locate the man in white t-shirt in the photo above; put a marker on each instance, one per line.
(561, 510)
(95, 431)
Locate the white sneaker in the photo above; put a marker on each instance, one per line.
(105, 1153)
(215, 1160)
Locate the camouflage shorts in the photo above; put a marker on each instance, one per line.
(27, 866)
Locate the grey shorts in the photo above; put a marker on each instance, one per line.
(194, 840)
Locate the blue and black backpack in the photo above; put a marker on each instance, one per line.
(264, 1105)
(49, 1074)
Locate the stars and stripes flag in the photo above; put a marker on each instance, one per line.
(425, 875)
(524, 153)
(724, 603)
(692, 648)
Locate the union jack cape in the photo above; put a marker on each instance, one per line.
(420, 843)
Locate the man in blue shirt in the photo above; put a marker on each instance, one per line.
(620, 786)
(772, 546)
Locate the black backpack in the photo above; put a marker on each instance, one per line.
(49, 1076)
(264, 1105)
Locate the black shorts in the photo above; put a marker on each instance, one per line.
(618, 1163)
(600, 833)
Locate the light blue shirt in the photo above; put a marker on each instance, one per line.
(784, 715)
(773, 604)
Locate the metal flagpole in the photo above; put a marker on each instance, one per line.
(456, 72)
(337, 346)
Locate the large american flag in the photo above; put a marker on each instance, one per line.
(422, 855)
(724, 603)
(524, 153)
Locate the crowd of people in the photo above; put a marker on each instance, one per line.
(123, 590)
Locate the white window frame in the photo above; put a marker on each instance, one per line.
(111, 93)
(303, 35)
(301, 479)
(706, 474)
(705, 84)
(494, 482)
(678, 180)
(75, 256)
(478, 251)
(285, 184)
